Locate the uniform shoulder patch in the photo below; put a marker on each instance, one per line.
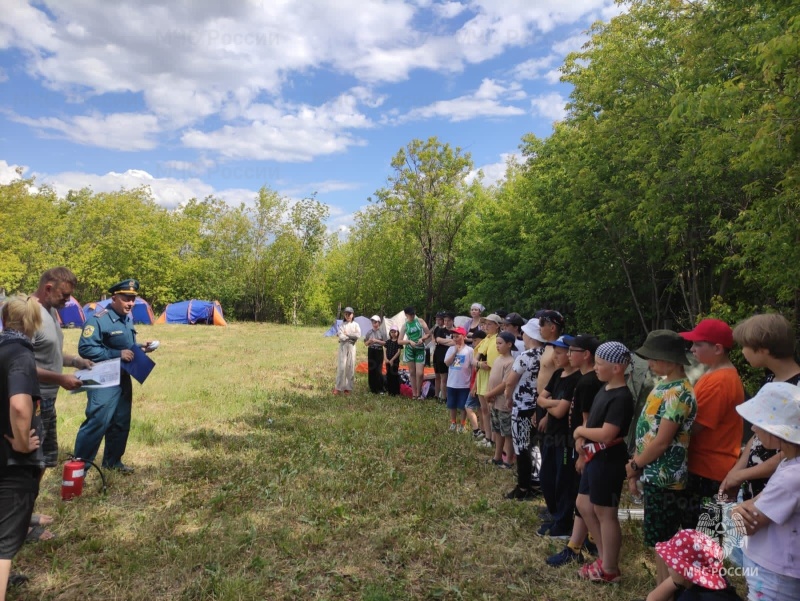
(101, 313)
(88, 331)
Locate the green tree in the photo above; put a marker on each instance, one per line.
(428, 195)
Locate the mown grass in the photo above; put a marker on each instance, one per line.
(254, 482)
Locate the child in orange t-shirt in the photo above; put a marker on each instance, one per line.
(717, 429)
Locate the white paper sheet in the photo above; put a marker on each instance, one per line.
(103, 375)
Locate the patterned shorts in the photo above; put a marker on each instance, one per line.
(663, 509)
(501, 422)
(49, 434)
(521, 429)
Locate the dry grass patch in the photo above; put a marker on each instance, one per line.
(253, 482)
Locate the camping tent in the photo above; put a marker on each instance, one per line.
(193, 312)
(71, 315)
(142, 312)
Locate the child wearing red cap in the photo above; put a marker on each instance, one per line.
(717, 429)
(459, 364)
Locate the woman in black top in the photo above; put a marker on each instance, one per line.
(21, 456)
(393, 349)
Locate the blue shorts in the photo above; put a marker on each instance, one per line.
(457, 398)
(768, 585)
(474, 403)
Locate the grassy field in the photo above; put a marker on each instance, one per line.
(254, 482)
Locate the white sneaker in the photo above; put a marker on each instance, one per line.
(452, 427)
(460, 429)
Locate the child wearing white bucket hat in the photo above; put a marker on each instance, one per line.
(772, 519)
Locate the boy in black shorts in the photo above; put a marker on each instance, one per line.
(558, 466)
(581, 356)
(444, 340)
(601, 444)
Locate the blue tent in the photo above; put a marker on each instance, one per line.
(142, 313)
(192, 312)
(71, 315)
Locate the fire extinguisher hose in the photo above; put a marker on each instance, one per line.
(103, 486)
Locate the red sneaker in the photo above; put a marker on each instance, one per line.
(335, 391)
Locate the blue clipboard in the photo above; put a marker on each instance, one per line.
(141, 365)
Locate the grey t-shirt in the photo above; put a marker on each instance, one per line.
(48, 344)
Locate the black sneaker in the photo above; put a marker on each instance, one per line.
(566, 556)
(121, 468)
(544, 529)
(521, 495)
(560, 532)
(590, 547)
(545, 515)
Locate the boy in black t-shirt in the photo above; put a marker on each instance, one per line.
(600, 443)
(581, 357)
(444, 340)
(558, 465)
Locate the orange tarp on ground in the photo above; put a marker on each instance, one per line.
(363, 368)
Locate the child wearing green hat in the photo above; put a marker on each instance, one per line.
(662, 439)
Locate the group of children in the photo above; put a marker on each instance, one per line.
(568, 397)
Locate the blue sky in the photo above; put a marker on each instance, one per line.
(196, 97)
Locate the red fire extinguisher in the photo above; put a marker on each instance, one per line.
(72, 480)
(74, 477)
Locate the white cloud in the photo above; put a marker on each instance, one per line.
(494, 173)
(9, 173)
(571, 44)
(201, 165)
(533, 68)
(553, 76)
(167, 191)
(551, 106)
(489, 100)
(448, 10)
(287, 133)
(321, 188)
(220, 57)
(118, 131)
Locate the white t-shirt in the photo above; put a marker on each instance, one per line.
(777, 546)
(459, 373)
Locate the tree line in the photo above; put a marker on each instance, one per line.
(258, 260)
(669, 192)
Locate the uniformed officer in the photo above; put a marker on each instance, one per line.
(109, 334)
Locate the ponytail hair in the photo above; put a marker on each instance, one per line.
(22, 313)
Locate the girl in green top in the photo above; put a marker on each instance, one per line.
(413, 336)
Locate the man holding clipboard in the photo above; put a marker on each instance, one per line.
(109, 334)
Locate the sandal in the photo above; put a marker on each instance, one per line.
(585, 572)
(595, 573)
(17, 579)
(39, 519)
(606, 577)
(39, 533)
